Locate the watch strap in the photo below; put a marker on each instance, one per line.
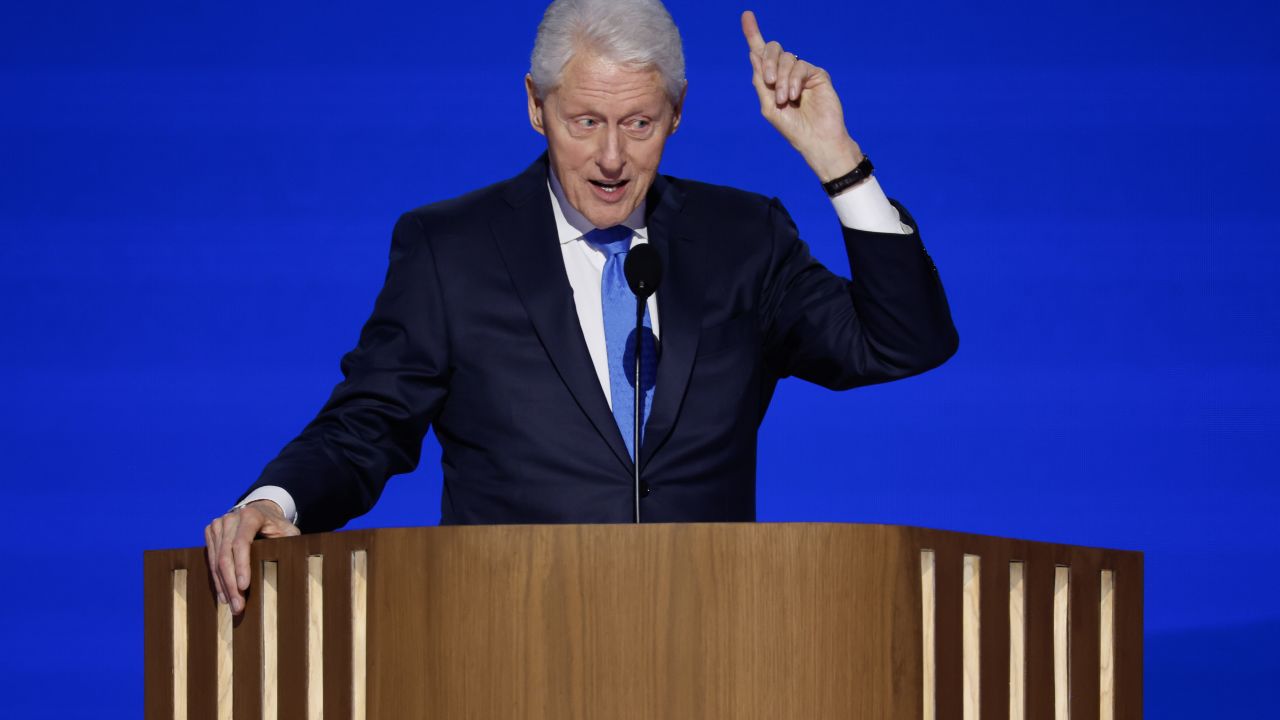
(844, 182)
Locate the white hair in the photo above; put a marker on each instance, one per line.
(628, 32)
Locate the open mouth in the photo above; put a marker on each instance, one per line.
(609, 187)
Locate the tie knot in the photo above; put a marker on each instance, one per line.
(610, 240)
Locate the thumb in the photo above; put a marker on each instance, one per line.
(274, 528)
(762, 90)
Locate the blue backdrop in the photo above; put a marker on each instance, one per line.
(195, 209)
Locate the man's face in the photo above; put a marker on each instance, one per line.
(606, 125)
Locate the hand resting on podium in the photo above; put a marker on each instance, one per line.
(227, 541)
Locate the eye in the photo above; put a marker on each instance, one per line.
(639, 128)
(586, 123)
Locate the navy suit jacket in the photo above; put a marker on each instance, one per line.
(475, 333)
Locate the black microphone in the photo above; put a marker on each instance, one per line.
(643, 269)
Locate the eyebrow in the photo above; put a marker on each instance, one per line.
(570, 111)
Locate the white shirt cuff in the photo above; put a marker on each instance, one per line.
(865, 207)
(277, 495)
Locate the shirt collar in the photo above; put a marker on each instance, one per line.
(572, 225)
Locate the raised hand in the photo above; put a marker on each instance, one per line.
(798, 99)
(227, 542)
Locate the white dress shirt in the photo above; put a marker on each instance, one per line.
(861, 207)
(584, 265)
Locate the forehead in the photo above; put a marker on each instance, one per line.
(590, 82)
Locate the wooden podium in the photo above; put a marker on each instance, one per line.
(697, 621)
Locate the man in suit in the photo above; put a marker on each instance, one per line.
(504, 320)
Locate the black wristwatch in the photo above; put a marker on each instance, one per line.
(844, 182)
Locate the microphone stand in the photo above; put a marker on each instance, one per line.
(643, 269)
(638, 400)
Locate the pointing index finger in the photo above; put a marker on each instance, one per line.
(751, 30)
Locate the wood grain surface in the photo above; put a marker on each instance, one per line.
(650, 621)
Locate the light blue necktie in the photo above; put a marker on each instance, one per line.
(619, 305)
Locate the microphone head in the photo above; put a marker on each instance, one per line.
(643, 269)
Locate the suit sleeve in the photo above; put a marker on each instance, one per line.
(890, 321)
(395, 382)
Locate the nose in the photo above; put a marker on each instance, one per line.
(611, 156)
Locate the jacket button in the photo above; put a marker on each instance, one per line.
(644, 489)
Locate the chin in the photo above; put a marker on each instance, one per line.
(602, 214)
(608, 217)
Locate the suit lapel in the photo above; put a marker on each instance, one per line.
(526, 237)
(679, 310)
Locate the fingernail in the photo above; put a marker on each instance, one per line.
(237, 604)
(242, 580)
(222, 599)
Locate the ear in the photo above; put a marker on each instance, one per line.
(535, 105)
(678, 110)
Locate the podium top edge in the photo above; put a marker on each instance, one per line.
(940, 533)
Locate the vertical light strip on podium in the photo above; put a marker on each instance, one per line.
(359, 625)
(223, 661)
(1061, 642)
(970, 635)
(315, 637)
(1107, 647)
(180, 644)
(270, 642)
(1017, 641)
(928, 604)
